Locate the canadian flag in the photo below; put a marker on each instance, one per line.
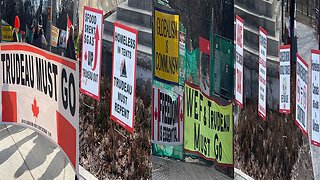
(69, 24)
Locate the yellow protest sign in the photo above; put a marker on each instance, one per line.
(166, 45)
(208, 127)
(6, 33)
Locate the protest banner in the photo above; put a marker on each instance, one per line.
(239, 62)
(62, 38)
(204, 65)
(302, 94)
(208, 126)
(91, 52)
(166, 46)
(284, 79)
(125, 45)
(262, 102)
(315, 85)
(167, 117)
(40, 90)
(54, 36)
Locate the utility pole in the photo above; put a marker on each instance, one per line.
(75, 10)
(282, 6)
(292, 34)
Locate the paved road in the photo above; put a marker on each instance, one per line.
(307, 40)
(164, 168)
(24, 154)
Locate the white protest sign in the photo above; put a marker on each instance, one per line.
(167, 117)
(284, 79)
(91, 52)
(239, 62)
(62, 38)
(40, 90)
(315, 85)
(302, 94)
(262, 110)
(125, 44)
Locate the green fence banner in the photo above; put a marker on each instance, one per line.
(222, 66)
(192, 66)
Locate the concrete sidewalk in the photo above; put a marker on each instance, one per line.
(25, 154)
(164, 168)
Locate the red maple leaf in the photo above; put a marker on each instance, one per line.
(35, 108)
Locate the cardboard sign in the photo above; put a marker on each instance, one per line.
(91, 52)
(239, 62)
(166, 46)
(284, 79)
(125, 45)
(40, 90)
(315, 85)
(208, 127)
(302, 94)
(54, 36)
(167, 117)
(262, 102)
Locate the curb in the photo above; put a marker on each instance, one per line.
(85, 175)
(238, 174)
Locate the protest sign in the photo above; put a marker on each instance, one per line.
(6, 33)
(284, 79)
(182, 54)
(125, 45)
(315, 85)
(208, 126)
(167, 117)
(239, 62)
(166, 46)
(91, 52)
(54, 36)
(302, 93)
(262, 109)
(62, 38)
(40, 90)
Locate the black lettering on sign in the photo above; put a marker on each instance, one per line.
(90, 18)
(68, 91)
(122, 111)
(201, 142)
(166, 63)
(217, 147)
(196, 105)
(127, 41)
(17, 69)
(168, 134)
(315, 126)
(189, 100)
(166, 28)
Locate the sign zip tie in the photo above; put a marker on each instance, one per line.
(120, 133)
(88, 106)
(261, 128)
